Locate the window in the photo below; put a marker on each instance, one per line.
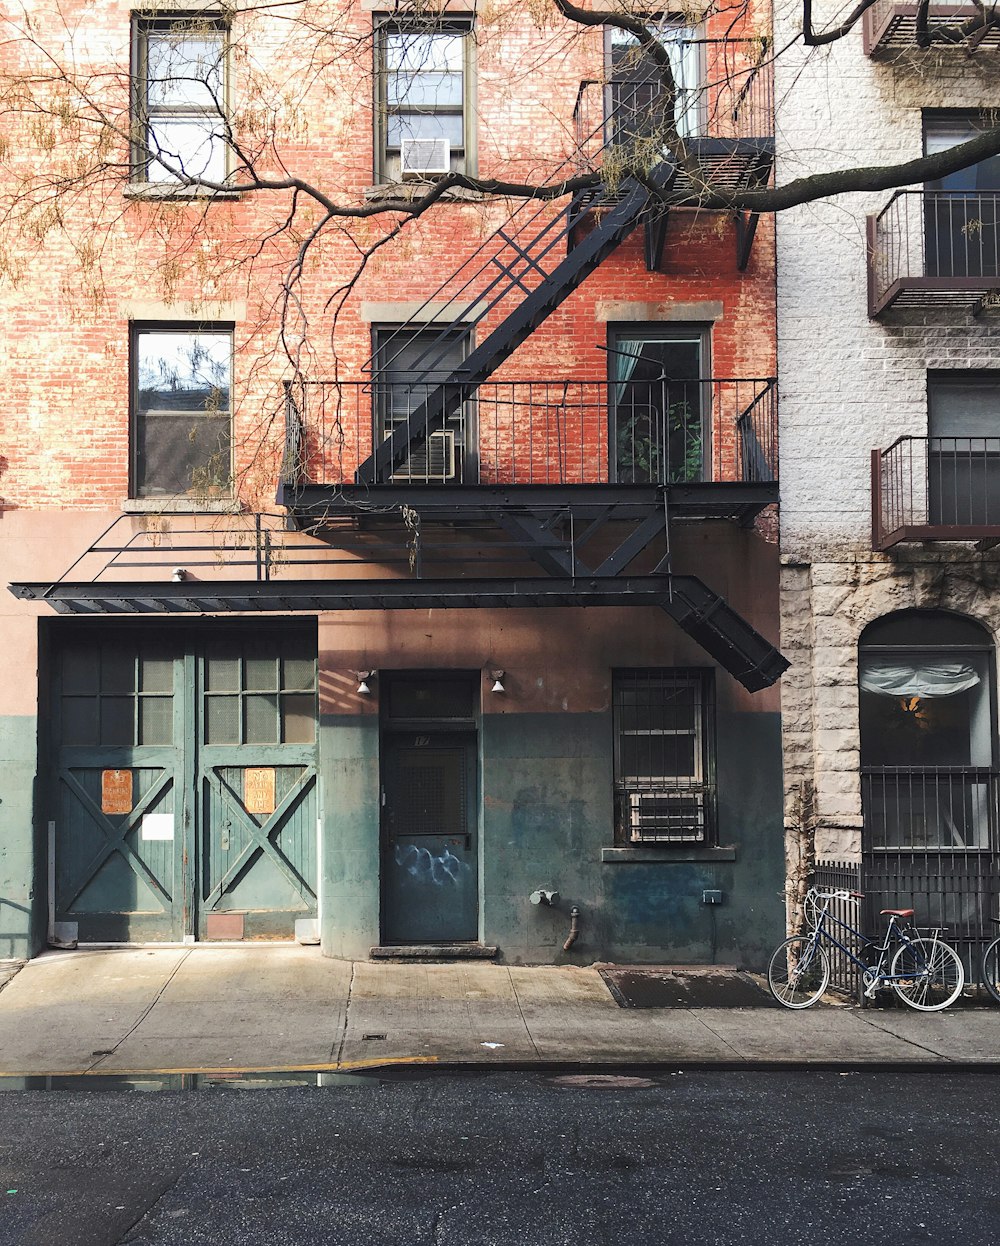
(963, 461)
(636, 95)
(260, 691)
(960, 218)
(181, 414)
(180, 100)
(664, 775)
(659, 403)
(412, 364)
(423, 107)
(926, 732)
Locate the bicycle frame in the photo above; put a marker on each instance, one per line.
(896, 934)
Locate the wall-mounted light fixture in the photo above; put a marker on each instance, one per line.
(364, 688)
(179, 575)
(497, 677)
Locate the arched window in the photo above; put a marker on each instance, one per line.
(927, 737)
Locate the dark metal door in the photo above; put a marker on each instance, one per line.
(430, 876)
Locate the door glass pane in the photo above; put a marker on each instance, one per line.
(156, 674)
(261, 720)
(298, 673)
(222, 673)
(261, 674)
(117, 720)
(222, 720)
(117, 669)
(298, 724)
(79, 721)
(156, 720)
(80, 668)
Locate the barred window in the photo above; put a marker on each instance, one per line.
(664, 776)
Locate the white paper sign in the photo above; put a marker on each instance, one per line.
(157, 826)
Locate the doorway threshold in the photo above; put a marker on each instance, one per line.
(435, 951)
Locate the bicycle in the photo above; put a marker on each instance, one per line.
(990, 966)
(925, 972)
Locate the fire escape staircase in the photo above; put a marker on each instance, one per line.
(581, 538)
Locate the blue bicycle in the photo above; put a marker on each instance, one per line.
(924, 971)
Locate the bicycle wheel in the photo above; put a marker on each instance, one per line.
(798, 972)
(991, 969)
(938, 975)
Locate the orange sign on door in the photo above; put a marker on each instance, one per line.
(116, 791)
(258, 789)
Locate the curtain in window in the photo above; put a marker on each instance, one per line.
(626, 354)
(892, 678)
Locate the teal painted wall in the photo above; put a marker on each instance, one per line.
(547, 813)
(22, 913)
(349, 790)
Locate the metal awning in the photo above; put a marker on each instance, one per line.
(697, 609)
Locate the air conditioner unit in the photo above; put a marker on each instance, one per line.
(667, 816)
(424, 157)
(435, 461)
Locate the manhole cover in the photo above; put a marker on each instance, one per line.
(603, 1081)
(668, 988)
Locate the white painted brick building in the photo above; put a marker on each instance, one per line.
(852, 383)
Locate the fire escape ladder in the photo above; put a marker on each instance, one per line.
(448, 394)
(725, 635)
(698, 610)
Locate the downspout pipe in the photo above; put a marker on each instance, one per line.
(574, 928)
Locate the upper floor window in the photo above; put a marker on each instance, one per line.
(180, 100)
(961, 218)
(637, 93)
(664, 769)
(423, 108)
(181, 412)
(659, 406)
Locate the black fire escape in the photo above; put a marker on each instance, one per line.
(539, 500)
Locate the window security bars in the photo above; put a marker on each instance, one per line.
(936, 488)
(179, 100)
(929, 247)
(663, 779)
(546, 432)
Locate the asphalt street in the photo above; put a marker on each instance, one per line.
(492, 1158)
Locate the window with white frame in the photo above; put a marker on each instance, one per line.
(423, 111)
(181, 411)
(664, 774)
(179, 100)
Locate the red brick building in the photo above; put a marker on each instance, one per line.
(373, 575)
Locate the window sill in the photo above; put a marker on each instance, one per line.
(181, 506)
(666, 854)
(156, 190)
(409, 191)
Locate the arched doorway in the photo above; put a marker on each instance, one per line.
(929, 768)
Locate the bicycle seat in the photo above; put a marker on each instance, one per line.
(896, 912)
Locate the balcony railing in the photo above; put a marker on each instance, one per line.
(726, 115)
(543, 432)
(890, 26)
(934, 248)
(936, 489)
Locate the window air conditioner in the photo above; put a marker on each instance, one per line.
(667, 816)
(424, 157)
(435, 461)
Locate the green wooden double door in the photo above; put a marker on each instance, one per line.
(184, 799)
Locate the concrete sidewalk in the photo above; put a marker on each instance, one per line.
(141, 1010)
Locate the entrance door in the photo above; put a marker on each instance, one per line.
(429, 873)
(185, 800)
